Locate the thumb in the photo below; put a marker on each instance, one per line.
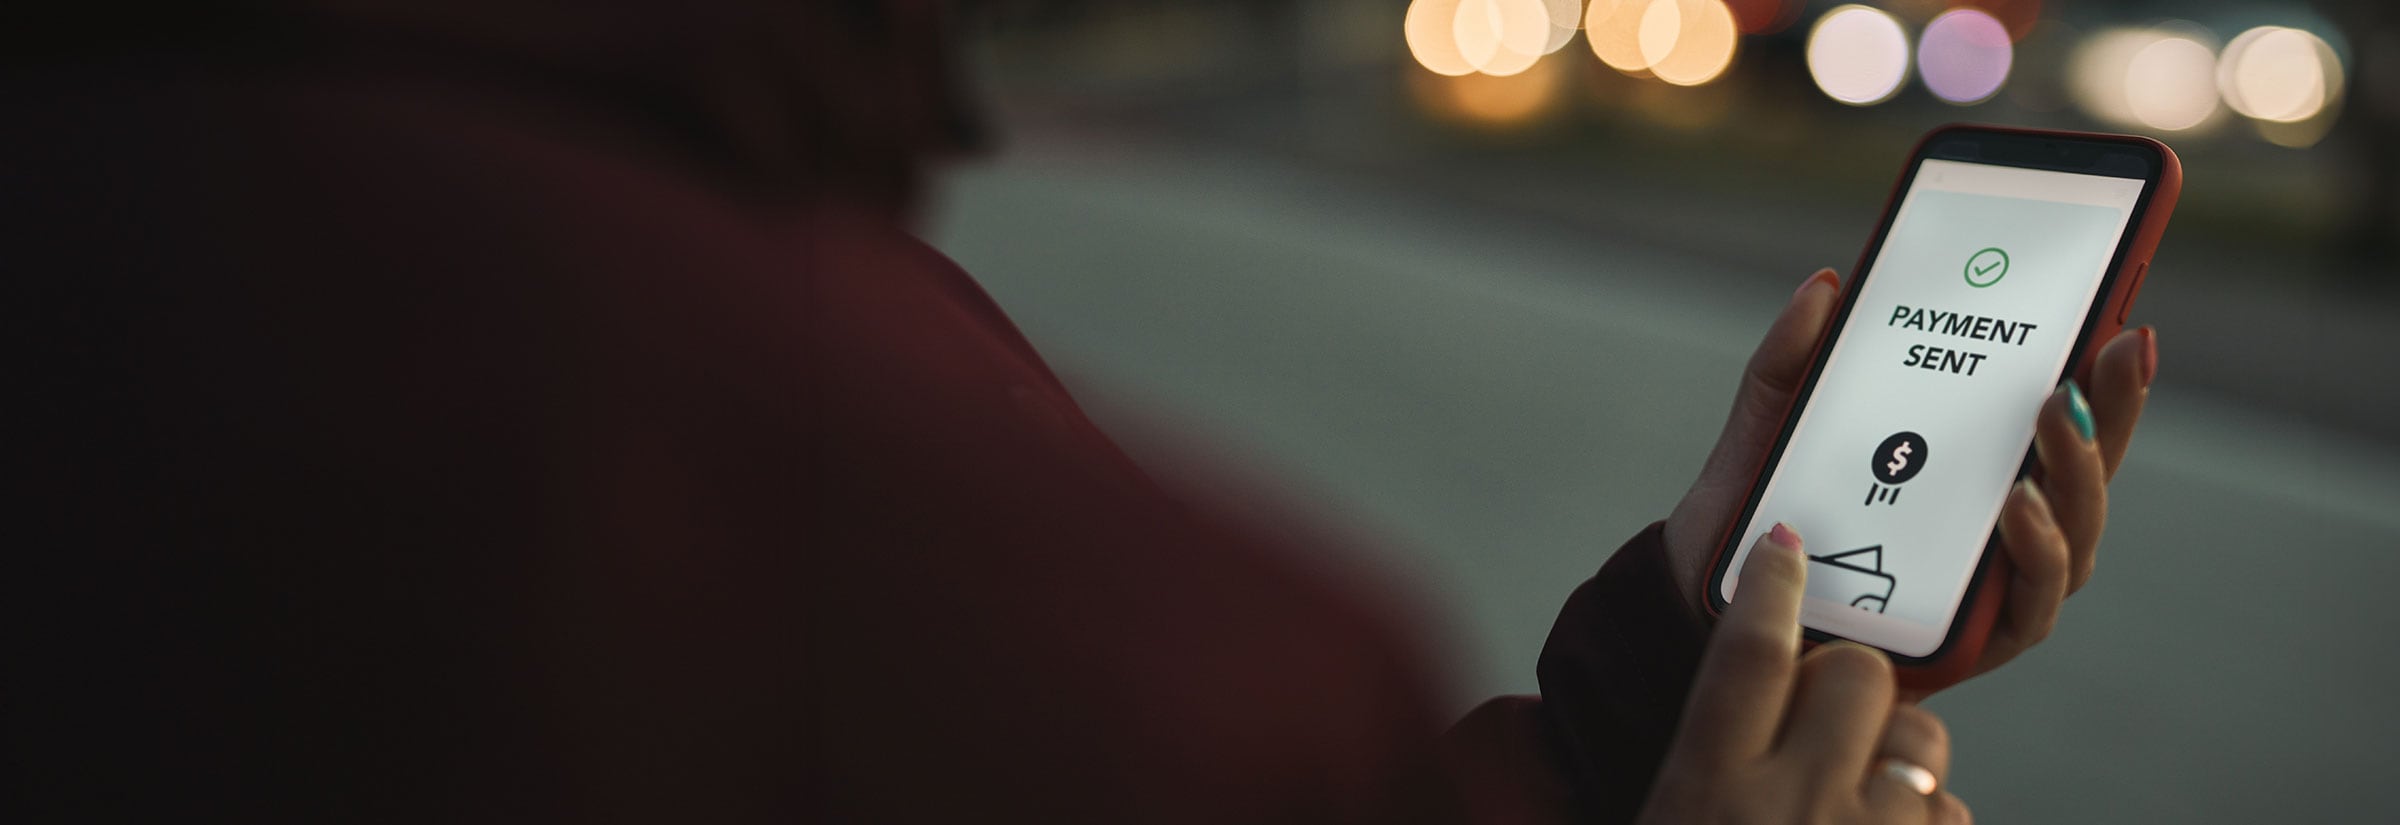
(1768, 384)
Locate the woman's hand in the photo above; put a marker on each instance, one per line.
(1769, 737)
(2051, 530)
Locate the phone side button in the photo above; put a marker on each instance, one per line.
(2125, 307)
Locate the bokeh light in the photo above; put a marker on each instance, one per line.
(1858, 55)
(1613, 28)
(2171, 83)
(2300, 135)
(1489, 102)
(1964, 55)
(2286, 81)
(1495, 37)
(2096, 73)
(1431, 27)
(1502, 37)
(2278, 74)
(1688, 42)
(2154, 78)
(2020, 17)
(1566, 16)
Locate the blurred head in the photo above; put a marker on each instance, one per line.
(783, 98)
(850, 97)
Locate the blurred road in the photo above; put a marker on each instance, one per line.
(1498, 402)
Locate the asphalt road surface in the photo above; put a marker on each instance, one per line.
(1493, 404)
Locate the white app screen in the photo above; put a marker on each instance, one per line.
(1903, 455)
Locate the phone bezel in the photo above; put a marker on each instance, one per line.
(2075, 153)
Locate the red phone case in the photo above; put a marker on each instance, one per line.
(1956, 661)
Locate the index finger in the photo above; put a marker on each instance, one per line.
(1745, 678)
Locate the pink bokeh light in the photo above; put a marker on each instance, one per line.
(1964, 55)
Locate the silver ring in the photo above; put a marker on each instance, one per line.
(1915, 776)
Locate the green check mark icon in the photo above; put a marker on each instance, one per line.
(1986, 267)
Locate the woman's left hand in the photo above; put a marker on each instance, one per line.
(2050, 529)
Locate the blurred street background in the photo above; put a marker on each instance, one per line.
(1472, 280)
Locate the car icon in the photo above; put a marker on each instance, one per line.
(1855, 578)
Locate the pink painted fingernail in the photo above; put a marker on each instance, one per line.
(1813, 278)
(1783, 536)
(2149, 355)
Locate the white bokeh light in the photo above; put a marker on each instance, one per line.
(2162, 79)
(1566, 16)
(2096, 73)
(1858, 55)
(2171, 83)
(2278, 74)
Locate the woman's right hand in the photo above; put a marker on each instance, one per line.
(1772, 737)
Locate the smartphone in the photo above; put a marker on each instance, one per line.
(2005, 257)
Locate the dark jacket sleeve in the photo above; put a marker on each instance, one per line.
(1614, 674)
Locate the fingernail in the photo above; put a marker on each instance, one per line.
(1915, 776)
(2023, 487)
(2149, 355)
(1813, 278)
(2033, 494)
(2078, 410)
(1783, 536)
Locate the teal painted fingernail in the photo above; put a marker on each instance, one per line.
(2079, 410)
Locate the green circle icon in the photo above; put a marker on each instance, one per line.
(1986, 267)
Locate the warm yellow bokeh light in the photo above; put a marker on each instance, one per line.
(1431, 28)
(1613, 28)
(1495, 37)
(1507, 100)
(1502, 37)
(1689, 42)
(1566, 16)
(2278, 74)
(1660, 27)
(1489, 102)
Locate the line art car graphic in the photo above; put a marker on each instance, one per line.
(1855, 577)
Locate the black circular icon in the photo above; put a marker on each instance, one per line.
(1899, 458)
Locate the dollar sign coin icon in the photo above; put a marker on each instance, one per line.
(1899, 458)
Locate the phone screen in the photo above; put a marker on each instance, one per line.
(1906, 443)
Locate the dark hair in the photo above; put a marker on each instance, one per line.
(847, 98)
